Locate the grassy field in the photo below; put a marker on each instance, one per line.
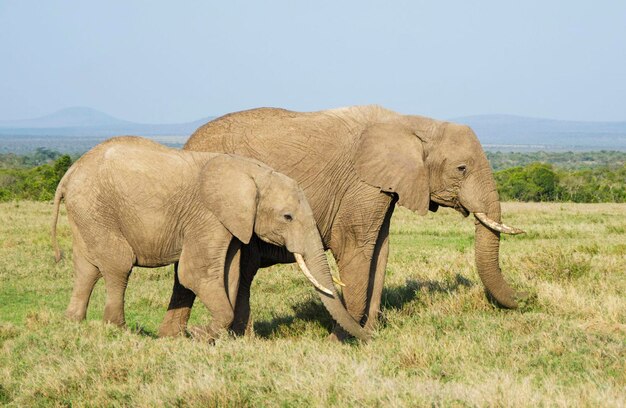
(440, 342)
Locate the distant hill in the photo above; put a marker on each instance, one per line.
(76, 130)
(496, 132)
(519, 130)
(88, 122)
(68, 117)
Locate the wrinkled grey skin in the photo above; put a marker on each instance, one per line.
(133, 202)
(354, 164)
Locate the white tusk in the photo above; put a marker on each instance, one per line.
(307, 273)
(496, 226)
(338, 281)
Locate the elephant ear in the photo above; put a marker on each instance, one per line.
(391, 157)
(229, 191)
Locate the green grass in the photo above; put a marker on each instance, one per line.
(440, 342)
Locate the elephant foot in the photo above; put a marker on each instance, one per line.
(116, 323)
(239, 328)
(175, 322)
(205, 333)
(171, 330)
(74, 315)
(339, 335)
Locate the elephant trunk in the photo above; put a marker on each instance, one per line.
(315, 260)
(305, 270)
(487, 257)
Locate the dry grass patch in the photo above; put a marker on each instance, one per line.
(440, 342)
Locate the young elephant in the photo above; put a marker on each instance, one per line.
(133, 202)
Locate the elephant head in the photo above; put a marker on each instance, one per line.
(429, 163)
(249, 197)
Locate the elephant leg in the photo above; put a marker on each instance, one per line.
(351, 264)
(86, 275)
(116, 267)
(233, 269)
(250, 261)
(179, 310)
(214, 295)
(116, 283)
(377, 271)
(202, 268)
(360, 250)
(242, 307)
(376, 283)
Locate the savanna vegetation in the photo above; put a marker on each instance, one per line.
(440, 342)
(580, 177)
(32, 177)
(544, 182)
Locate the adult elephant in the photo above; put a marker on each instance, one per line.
(354, 165)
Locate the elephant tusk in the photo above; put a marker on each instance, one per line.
(307, 273)
(496, 226)
(338, 281)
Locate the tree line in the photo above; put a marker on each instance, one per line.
(560, 160)
(25, 181)
(580, 177)
(544, 182)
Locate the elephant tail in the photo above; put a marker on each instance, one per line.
(58, 196)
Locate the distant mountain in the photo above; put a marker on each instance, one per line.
(496, 132)
(519, 130)
(68, 117)
(88, 122)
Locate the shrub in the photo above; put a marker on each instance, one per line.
(37, 183)
(541, 182)
(535, 182)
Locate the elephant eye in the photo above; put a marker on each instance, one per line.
(462, 168)
(288, 217)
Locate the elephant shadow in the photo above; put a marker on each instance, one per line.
(308, 311)
(393, 298)
(396, 297)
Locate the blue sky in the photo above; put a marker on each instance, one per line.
(159, 62)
